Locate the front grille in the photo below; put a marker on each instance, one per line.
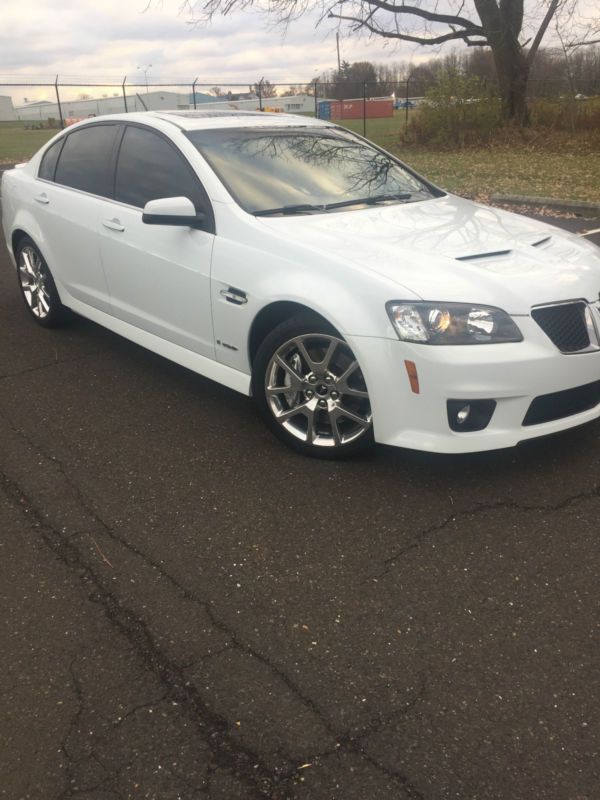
(565, 325)
(558, 405)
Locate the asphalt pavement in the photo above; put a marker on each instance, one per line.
(189, 610)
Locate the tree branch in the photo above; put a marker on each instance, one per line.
(405, 37)
(583, 43)
(431, 16)
(542, 30)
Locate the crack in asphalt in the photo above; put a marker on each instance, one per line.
(214, 728)
(183, 591)
(150, 704)
(352, 742)
(227, 752)
(481, 508)
(40, 367)
(73, 726)
(173, 673)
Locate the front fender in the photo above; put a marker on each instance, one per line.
(350, 299)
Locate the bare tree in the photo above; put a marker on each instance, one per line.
(291, 91)
(264, 88)
(512, 29)
(583, 33)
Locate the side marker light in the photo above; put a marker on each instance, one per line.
(411, 371)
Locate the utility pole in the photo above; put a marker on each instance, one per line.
(145, 68)
(337, 42)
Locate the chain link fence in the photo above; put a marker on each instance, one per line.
(60, 102)
(30, 112)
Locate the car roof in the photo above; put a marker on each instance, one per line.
(200, 119)
(225, 118)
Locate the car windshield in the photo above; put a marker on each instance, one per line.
(281, 171)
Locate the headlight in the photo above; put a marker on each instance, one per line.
(452, 323)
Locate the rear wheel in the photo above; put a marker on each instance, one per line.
(37, 286)
(311, 391)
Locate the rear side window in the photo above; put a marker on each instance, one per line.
(150, 168)
(49, 159)
(85, 160)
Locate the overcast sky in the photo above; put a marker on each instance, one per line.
(80, 39)
(115, 37)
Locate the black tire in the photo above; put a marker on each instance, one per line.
(319, 390)
(37, 286)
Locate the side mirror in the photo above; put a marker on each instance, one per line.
(172, 211)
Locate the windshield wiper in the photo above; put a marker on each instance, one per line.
(307, 208)
(370, 201)
(383, 198)
(300, 208)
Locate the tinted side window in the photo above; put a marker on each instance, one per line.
(149, 168)
(49, 159)
(85, 160)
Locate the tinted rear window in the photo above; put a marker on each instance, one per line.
(49, 159)
(86, 158)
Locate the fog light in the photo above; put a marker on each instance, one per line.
(469, 415)
(463, 414)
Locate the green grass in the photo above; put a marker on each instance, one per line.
(18, 144)
(559, 172)
(520, 171)
(523, 170)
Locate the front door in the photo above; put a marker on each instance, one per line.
(158, 275)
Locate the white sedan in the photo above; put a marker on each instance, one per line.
(290, 259)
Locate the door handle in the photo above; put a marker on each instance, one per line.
(113, 225)
(42, 198)
(235, 296)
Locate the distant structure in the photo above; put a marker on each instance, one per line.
(356, 109)
(7, 110)
(154, 101)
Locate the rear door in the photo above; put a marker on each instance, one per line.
(74, 176)
(158, 275)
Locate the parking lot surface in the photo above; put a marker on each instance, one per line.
(189, 610)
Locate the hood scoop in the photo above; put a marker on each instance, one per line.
(535, 242)
(476, 256)
(540, 242)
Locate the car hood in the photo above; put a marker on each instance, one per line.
(456, 250)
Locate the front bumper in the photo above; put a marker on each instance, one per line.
(511, 374)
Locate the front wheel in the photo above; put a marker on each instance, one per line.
(311, 391)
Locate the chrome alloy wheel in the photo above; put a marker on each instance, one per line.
(33, 276)
(316, 391)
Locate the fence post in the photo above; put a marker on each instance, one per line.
(260, 93)
(365, 109)
(60, 114)
(124, 95)
(194, 91)
(316, 85)
(406, 104)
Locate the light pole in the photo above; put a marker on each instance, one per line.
(145, 68)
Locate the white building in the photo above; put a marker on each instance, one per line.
(79, 109)
(154, 101)
(297, 104)
(7, 111)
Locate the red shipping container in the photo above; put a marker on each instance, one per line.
(355, 109)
